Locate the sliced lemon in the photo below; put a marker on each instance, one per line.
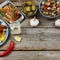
(17, 38)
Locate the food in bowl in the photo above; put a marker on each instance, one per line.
(10, 13)
(2, 32)
(29, 8)
(50, 8)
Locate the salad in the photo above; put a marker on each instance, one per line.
(50, 7)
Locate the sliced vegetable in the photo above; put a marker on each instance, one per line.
(30, 13)
(33, 7)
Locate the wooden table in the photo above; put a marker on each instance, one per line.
(40, 43)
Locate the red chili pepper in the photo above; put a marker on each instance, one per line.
(8, 50)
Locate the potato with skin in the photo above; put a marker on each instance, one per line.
(33, 7)
(30, 13)
(29, 2)
(24, 10)
(28, 8)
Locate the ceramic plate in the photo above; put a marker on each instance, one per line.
(6, 33)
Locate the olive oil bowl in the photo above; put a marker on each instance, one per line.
(29, 8)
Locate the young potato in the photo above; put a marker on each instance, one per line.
(33, 7)
(24, 10)
(30, 13)
(28, 8)
(29, 2)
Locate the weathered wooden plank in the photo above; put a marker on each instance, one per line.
(33, 55)
(37, 39)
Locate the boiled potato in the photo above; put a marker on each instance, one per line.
(33, 7)
(28, 8)
(29, 2)
(24, 10)
(30, 13)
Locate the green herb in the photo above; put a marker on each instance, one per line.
(13, 10)
(2, 13)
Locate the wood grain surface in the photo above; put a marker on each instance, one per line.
(40, 43)
(33, 55)
(37, 39)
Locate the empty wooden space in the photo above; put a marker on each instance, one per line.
(40, 43)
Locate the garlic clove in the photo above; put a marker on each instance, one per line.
(57, 23)
(34, 22)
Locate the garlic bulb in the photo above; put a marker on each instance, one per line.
(34, 22)
(57, 23)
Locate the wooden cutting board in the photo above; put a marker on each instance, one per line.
(20, 2)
